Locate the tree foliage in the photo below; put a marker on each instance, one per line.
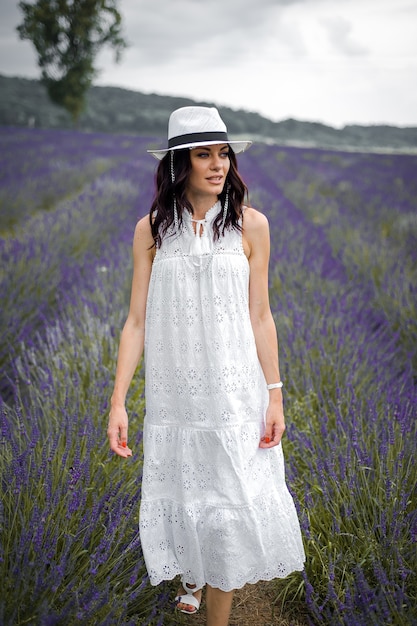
(67, 35)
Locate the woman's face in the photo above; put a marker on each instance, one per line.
(209, 168)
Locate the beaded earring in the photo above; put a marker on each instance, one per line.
(176, 220)
(225, 209)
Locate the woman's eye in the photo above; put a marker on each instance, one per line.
(205, 155)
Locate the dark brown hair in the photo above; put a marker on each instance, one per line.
(161, 213)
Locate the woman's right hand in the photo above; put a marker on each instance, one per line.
(117, 431)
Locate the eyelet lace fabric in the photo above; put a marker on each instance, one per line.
(215, 507)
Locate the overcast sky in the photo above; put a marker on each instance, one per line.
(332, 61)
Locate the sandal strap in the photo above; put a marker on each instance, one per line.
(188, 599)
(188, 589)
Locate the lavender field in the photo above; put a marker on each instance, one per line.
(344, 295)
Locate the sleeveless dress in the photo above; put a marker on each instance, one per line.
(215, 507)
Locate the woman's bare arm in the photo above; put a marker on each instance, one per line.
(132, 337)
(256, 241)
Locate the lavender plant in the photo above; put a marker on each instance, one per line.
(350, 391)
(70, 551)
(36, 171)
(45, 258)
(343, 229)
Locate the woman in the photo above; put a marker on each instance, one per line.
(215, 508)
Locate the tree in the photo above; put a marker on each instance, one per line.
(67, 35)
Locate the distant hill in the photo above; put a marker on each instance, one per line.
(24, 102)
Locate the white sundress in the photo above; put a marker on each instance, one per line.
(215, 507)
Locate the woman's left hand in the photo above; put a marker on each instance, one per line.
(274, 426)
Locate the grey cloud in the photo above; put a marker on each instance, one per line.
(216, 31)
(339, 33)
(17, 57)
(10, 17)
(212, 31)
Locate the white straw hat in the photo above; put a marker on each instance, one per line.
(194, 126)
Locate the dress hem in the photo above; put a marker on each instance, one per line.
(228, 589)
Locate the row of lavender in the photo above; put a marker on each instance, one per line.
(69, 551)
(44, 252)
(69, 512)
(348, 329)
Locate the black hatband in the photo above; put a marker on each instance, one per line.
(197, 137)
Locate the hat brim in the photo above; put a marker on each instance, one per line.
(238, 146)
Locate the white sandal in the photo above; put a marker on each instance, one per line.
(188, 598)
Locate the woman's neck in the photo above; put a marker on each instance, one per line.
(201, 205)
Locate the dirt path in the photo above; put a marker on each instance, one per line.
(252, 606)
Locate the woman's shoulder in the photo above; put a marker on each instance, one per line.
(143, 233)
(143, 227)
(255, 231)
(254, 220)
